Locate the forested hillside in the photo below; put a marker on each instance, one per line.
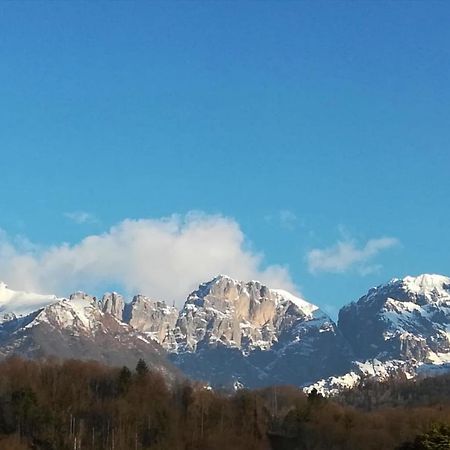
(75, 405)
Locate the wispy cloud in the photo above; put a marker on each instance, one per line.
(285, 218)
(288, 219)
(347, 255)
(165, 258)
(81, 217)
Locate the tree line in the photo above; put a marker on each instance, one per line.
(78, 405)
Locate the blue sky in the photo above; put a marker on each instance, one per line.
(319, 129)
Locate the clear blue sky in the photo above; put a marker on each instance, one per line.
(306, 122)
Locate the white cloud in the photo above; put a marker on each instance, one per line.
(345, 255)
(164, 258)
(285, 218)
(81, 217)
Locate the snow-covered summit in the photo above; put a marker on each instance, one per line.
(78, 311)
(405, 318)
(240, 314)
(79, 314)
(231, 331)
(303, 305)
(421, 289)
(233, 291)
(430, 288)
(35, 325)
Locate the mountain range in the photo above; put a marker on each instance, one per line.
(232, 333)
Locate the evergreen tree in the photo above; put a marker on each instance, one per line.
(438, 438)
(124, 380)
(141, 368)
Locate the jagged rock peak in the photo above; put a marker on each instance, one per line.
(224, 288)
(246, 331)
(151, 316)
(240, 314)
(147, 303)
(82, 296)
(113, 303)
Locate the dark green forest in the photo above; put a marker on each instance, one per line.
(74, 405)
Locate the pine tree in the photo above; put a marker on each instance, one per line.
(124, 379)
(141, 368)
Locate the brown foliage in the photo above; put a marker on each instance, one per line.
(51, 405)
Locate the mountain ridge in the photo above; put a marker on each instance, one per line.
(232, 332)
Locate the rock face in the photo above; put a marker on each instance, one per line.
(113, 303)
(153, 317)
(232, 331)
(78, 327)
(407, 319)
(400, 328)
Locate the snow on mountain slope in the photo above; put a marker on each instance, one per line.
(303, 305)
(403, 319)
(401, 327)
(427, 288)
(242, 315)
(79, 313)
(232, 330)
(78, 327)
(361, 371)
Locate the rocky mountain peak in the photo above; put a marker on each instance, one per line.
(82, 296)
(250, 301)
(153, 317)
(231, 331)
(428, 288)
(231, 312)
(113, 303)
(35, 325)
(402, 319)
(246, 331)
(422, 289)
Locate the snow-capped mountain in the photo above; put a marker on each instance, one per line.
(75, 327)
(398, 328)
(231, 330)
(404, 319)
